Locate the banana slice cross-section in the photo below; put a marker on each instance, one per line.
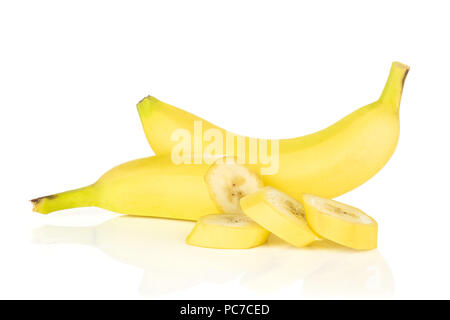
(340, 223)
(228, 181)
(280, 214)
(227, 231)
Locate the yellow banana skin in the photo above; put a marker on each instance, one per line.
(351, 234)
(222, 236)
(151, 186)
(327, 163)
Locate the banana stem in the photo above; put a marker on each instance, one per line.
(82, 197)
(393, 89)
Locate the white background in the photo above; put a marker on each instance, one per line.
(71, 74)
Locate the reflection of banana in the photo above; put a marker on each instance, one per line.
(352, 275)
(326, 270)
(287, 267)
(139, 242)
(327, 163)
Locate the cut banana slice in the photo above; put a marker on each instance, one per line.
(280, 214)
(228, 182)
(227, 231)
(340, 223)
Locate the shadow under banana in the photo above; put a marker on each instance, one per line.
(158, 247)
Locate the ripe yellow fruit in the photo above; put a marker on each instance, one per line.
(327, 163)
(280, 214)
(151, 186)
(227, 231)
(340, 223)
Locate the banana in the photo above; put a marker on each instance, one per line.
(228, 182)
(340, 223)
(280, 214)
(327, 163)
(151, 186)
(227, 231)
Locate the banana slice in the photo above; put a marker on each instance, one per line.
(280, 214)
(227, 231)
(340, 223)
(228, 182)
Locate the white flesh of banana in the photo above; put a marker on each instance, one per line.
(228, 182)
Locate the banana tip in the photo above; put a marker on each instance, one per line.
(148, 98)
(401, 65)
(405, 69)
(37, 201)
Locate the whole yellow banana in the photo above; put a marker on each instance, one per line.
(151, 186)
(327, 163)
